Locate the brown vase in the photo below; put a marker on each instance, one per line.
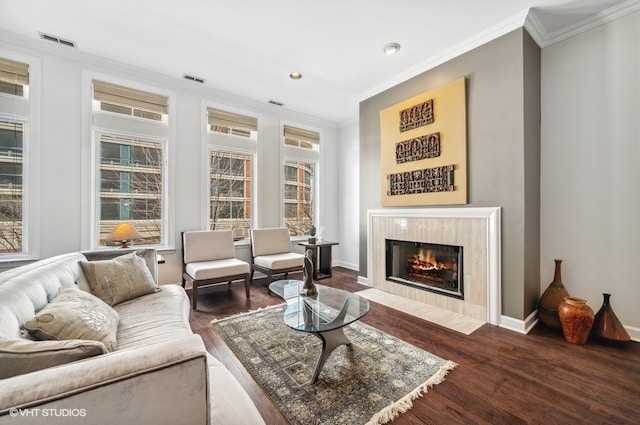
(576, 318)
(551, 299)
(607, 327)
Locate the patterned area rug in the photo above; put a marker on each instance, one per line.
(370, 382)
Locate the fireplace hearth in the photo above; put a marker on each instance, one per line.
(427, 266)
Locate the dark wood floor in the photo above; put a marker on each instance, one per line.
(503, 377)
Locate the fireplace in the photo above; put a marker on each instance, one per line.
(427, 266)
(474, 229)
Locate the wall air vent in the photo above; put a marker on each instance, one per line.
(57, 39)
(273, 102)
(195, 79)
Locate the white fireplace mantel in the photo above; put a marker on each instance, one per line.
(490, 216)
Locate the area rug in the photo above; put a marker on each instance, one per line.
(371, 381)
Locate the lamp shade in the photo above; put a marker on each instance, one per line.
(124, 232)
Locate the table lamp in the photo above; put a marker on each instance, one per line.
(124, 233)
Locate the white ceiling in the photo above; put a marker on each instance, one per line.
(249, 47)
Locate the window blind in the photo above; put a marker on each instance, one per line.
(14, 76)
(302, 138)
(219, 119)
(131, 98)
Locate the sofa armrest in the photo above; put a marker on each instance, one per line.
(159, 383)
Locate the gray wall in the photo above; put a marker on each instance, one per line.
(590, 175)
(503, 152)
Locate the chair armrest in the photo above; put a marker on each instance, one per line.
(137, 384)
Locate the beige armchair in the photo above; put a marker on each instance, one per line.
(209, 259)
(271, 253)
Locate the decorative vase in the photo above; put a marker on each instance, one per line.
(551, 299)
(607, 327)
(312, 235)
(308, 287)
(576, 318)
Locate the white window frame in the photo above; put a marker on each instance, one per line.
(297, 154)
(97, 122)
(26, 110)
(229, 143)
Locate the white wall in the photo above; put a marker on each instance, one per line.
(61, 176)
(590, 184)
(348, 195)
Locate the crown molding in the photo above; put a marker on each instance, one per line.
(490, 34)
(526, 19)
(545, 39)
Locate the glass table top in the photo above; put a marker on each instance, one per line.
(329, 309)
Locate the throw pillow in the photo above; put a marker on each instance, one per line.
(75, 314)
(120, 279)
(18, 356)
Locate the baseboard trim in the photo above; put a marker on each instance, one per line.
(350, 266)
(363, 280)
(634, 333)
(520, 326)
(525, 326)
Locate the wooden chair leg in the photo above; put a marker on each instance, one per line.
(269, 277)
(246, 285)
(194, 294)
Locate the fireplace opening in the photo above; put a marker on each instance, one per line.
(431, 267)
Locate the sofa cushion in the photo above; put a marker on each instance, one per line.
(120, 279)
(154, 318)
(18, 356)
(75, 314)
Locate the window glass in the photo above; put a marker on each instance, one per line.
(14, 84)
(301, 148)
(131, 186)
(230, 192)
(131, 142)
(298, 196)
(11, 191)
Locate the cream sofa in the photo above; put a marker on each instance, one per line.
(159, 373)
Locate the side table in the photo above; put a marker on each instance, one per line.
(321, 257)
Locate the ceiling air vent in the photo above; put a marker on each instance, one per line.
(273, 102)
(57, 39)
(195, 79)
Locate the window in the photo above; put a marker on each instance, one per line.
(14, 116)
(231, 123)
(131, 170)
(301, 158)
(232, 147)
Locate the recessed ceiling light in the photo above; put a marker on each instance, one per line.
(295, 76)
(391, 48)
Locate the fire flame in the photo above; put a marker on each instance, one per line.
(425, 260)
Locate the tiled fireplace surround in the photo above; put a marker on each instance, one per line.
(477, 230)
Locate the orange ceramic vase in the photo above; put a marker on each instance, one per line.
(551, 299)
(576, 318)
(607, 327)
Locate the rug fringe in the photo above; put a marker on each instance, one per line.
(402, 405)
(233, 316)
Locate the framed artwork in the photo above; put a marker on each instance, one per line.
(423, 148)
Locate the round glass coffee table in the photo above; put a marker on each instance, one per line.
(323, 314)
